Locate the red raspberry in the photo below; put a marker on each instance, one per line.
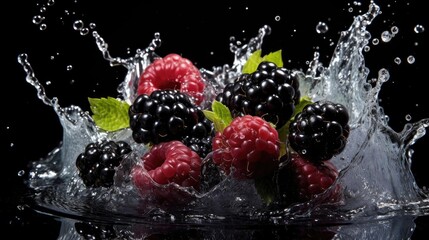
(301, 179)
(172, 72)
(250, 145)
(167, 162)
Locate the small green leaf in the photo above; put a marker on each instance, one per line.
(220, 116)
(110, 114)
(266, 189)
(255, 59)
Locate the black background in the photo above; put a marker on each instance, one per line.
(198, 31)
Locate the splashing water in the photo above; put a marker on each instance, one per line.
(375, 172)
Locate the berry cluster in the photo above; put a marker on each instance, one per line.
(270, 92)
(97, 164)
(320, 131)
(165, 163)
(249, 146)
(167, 115)
(172, 72)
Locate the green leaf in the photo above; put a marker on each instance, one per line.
(266, 189)
(255, 59)
(110, 114)
(284, 130)
(220, 116)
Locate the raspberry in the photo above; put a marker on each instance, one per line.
(172, 72)
(300, 180)
(165, 163)
(320, 131)
(167, 115)
(97, 164)
(270, 92)
(249, 145)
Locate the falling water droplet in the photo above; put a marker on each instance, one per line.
(375, 41)
(78, 25)
(69, 67)
(321, 27)
(38, 19)
(408, 117)
(397, 60)
(411, 59)
(386, 36)
(419, 28)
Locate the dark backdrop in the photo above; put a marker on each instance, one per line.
(199, 31)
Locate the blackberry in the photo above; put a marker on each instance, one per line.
(320, 131)
(270, 92)
(97, 164)
(167, 115)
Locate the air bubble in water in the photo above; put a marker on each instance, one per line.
(78, 25)
(397, 60)
(386, 36)
(322, 27)
(411, 59)
(419, 28)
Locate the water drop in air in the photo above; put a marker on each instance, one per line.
(411, 59)
(321, 27)
(419, 28)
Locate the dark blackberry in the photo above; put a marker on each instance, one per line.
(270, 92)
(167, 115)
(320, 131)
(97, 164)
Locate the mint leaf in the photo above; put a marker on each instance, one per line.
(266, 189)
(220, 116)
(255, 59)
(109, 114)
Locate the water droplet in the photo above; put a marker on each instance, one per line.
(69, 67)
(277, 18)
(48, 82)
(92, 25)
(43, 27)
(383, 75)
(43, 9)
(321, 27)
(408, 117)
(350, 9)
(12, 144)
(386, 36)
(419, 28)
(367, 48)
(20, 207)
(52, 57)
(21, 173)
(394, 30)
(38, 19)
(84, 31)
(397, 60)
(411, 59)
(375, 41)
(51, 2)
(78, 25)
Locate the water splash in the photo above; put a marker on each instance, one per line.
(375, 166)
